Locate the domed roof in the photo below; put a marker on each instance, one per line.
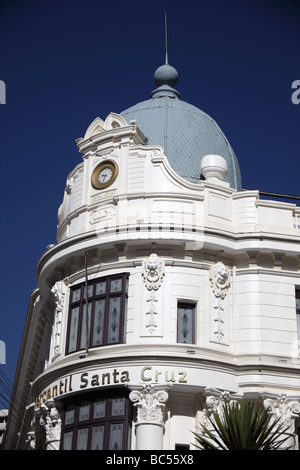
(185, 132)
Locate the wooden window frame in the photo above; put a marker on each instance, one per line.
(194, 309)
(105, 421)
(107, 296)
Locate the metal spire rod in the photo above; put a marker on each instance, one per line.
(166, 37)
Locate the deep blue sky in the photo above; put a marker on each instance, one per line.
(65, 62)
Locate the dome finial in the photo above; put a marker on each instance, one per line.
(166, 74)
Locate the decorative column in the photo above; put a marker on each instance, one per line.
(150, 401)
(287, 410)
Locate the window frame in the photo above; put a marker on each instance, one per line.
(297, 297)
(92, 300)
(192, 304)
(91, 422)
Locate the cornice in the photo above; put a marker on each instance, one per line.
(170, 356)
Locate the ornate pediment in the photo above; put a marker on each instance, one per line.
(113, 121)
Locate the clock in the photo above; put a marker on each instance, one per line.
(104, 174)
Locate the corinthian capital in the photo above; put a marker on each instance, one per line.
(150, 402)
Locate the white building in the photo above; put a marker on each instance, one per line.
(191, 286)
(3, 420)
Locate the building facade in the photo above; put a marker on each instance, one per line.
(3, 420)
(170, 290)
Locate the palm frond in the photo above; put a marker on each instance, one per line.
(242, 426)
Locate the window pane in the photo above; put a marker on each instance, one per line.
(76, 295)
(118, 406)
(100, 288)
(114, 320)
(90, 291)
(99, 409)
(85, 326)
(297, 299)
(116, 285)
(298, 330)
(98, 322)
(68, 438)
(97, 439)
(82, 438)
(69, 414)
(185, 323)
(116, 437)
(84, 411)
(73, 329)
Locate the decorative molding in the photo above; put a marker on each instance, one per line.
(214, 399)
(219, 276)
(153, 272)
(45, 427)
(102, 214)
(150, 403)
(59, 298)
(50, 420)
(152, 313)
(284, 408)
(113, 121)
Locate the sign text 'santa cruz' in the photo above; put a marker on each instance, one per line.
(91, 379)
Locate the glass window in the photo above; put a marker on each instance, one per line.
(69, 414)
(85, 326)
(73, 329)
(116, 436)
(76, 295)
(298, 301)
(82, 439)
(98, 327)
(186, 323)
(118, 406)
(101, 288)
(84, 411)
(97, 438)
(298, 317)
(116, 285)
(67, 440)
(93, 422)
(114, 320)
(99, 408)
(104, 323)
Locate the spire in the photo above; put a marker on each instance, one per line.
(166, 76)
(166, 38)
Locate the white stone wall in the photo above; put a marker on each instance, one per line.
(233, 255)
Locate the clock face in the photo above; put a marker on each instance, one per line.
(104, 174)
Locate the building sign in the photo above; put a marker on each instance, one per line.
(113, 376)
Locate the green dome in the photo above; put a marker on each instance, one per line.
(185, 132)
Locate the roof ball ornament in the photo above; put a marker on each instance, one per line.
(166, 75)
